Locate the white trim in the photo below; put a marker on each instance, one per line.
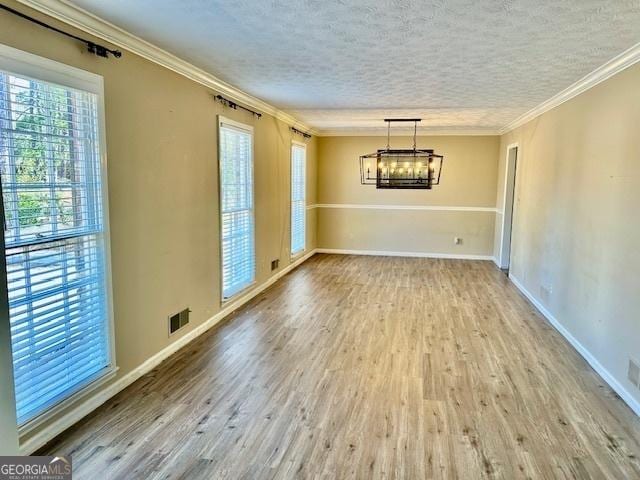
(504, 200)
(227, 122)
(354, 131)
(90, 23)
(295, 143)
(405, 207)
(311, 207)
(244, 129)
(591, 360)
(43, 69)
(87, 387)
(90, 404)
(599, 75)
(385, 253)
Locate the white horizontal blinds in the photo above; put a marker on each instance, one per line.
(237, 222)
(54, 245)
(298, 201)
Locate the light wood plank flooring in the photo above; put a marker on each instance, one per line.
(367, 367)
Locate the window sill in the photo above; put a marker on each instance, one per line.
(108, 374)
(239, 294)
(297, 255)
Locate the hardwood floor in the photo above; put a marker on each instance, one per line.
(367, 367)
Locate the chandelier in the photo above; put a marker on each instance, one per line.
(401, 168)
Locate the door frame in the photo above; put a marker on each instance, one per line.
(506, 230)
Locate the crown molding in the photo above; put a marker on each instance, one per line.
(421, 132)
(599, 75)
(79, 18)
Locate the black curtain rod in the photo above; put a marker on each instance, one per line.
(300, 132)
(235, 106)
(96, 49)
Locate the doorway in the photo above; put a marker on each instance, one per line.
(507, 217)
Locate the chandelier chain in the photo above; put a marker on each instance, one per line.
(415, 131)
(388, 135)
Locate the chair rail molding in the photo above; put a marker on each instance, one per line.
(444, 208)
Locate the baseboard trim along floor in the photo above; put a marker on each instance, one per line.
(586, 354)
(385, 253)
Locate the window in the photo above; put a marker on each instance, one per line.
(55, 245)
(298, 202)
(236, 207)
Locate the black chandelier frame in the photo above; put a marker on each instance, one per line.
(410, 168)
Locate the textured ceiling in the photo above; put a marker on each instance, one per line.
(334, 64)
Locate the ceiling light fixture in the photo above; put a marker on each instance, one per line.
(401, 168)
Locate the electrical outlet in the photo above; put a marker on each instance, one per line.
(457, 240)
(274, 264)
(634, 372)
(545, 292)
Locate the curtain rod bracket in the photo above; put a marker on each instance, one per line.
(95, 48)
(234, 105)
(300, 132)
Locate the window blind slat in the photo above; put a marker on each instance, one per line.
(54, 243)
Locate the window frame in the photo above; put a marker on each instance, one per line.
(294, 255)
(43, 69)
(250, 130)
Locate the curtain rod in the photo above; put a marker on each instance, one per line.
(235, 106)
(300, 132)
(96, 49)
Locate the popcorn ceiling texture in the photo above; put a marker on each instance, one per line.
(345, 64)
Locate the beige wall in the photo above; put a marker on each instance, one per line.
(468, 180)
(163, 196)
(576, 224)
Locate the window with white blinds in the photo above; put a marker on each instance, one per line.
(54, 240)
(236, 207)
(298, 200)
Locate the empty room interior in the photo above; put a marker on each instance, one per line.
(390, 239)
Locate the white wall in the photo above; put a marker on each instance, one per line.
(576, 229)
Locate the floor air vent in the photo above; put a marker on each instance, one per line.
(179, 320)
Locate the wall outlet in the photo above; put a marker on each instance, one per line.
(545, 292)
(457, 240)
(274, 264)
(634, 372)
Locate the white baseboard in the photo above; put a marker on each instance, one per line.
(94, 401)
(385, 253)
(591, 360)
